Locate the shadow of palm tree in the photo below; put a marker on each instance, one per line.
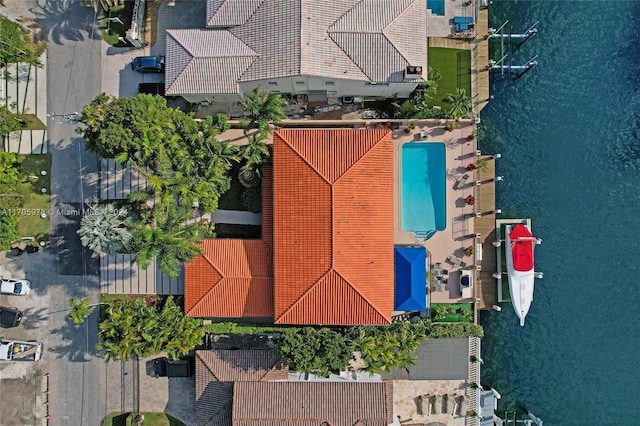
(67, 20)
(75, 346)
(33, 317)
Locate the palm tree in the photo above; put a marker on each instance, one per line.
(460, 103)
(80, 309)
(169, 239)
(425, 90)
(254, 154)
(100, 4)
(105, 230)
(262, 108)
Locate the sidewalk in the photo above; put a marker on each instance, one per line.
(26, 91)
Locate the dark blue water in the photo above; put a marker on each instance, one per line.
(569, 134)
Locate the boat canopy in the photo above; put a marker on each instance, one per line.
(522, 242)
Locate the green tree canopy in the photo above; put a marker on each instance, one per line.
(16, 44)
(262, 108)
(9, 121)
(384, 348)
(10, 198)
(460, 103)
(178, 156)
(145, 326)
(80, 309)
(314, 350)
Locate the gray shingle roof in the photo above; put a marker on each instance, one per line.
(203, 61)
(274, 32)
(383, 37)
(216, 372)
(311, 403)
(365, 40)
(230, 13)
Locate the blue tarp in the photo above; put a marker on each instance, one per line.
(411, 276)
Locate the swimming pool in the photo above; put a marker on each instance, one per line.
(436, 6)
(423, 192)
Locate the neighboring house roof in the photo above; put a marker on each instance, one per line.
(437, 359)
(392, 31)
(333, 226)
(217, 370)
(367, 40)
(229, 13)
(312, 403)
(203, 61)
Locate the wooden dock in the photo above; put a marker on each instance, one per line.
(486, 226)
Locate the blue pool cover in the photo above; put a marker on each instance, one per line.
(411, 276)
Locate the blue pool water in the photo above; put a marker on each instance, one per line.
(436, 6)
(423, 195)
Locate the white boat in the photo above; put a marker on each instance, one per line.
(520, 267)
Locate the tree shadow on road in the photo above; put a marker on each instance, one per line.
(78, 342)
(33, 317)
(67, 20)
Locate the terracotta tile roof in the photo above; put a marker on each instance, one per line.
(267, 205)
(337, 403)
(215, 373)
(234, 278)
(333, 226)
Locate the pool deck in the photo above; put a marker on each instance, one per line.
(461, 220)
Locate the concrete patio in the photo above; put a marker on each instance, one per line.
(459, 231)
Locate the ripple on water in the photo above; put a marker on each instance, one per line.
(570, 132)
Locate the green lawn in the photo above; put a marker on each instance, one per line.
(32, 122)
(155, 419)
(453, 314)
(112, 30)
(30, 222)
(454, 66)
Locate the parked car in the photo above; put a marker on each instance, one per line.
(164, 367)
(20, 350)
(15, 287)
(10, 317)
(148, 64)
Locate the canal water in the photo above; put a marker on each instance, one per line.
(569, 135)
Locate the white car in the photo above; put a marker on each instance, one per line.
(15, 287)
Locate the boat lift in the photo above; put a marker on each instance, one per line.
(508, 420)
(519, 70)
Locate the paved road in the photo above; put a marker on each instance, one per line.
(74, 79)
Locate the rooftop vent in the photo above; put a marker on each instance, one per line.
(412, 72)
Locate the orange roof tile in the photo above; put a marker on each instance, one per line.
(333, 226)
(234, 278)
(267, 205)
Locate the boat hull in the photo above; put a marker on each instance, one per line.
(521, 282)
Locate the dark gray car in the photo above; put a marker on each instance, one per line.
(10, 317)
(163, 367)
(148, 64)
